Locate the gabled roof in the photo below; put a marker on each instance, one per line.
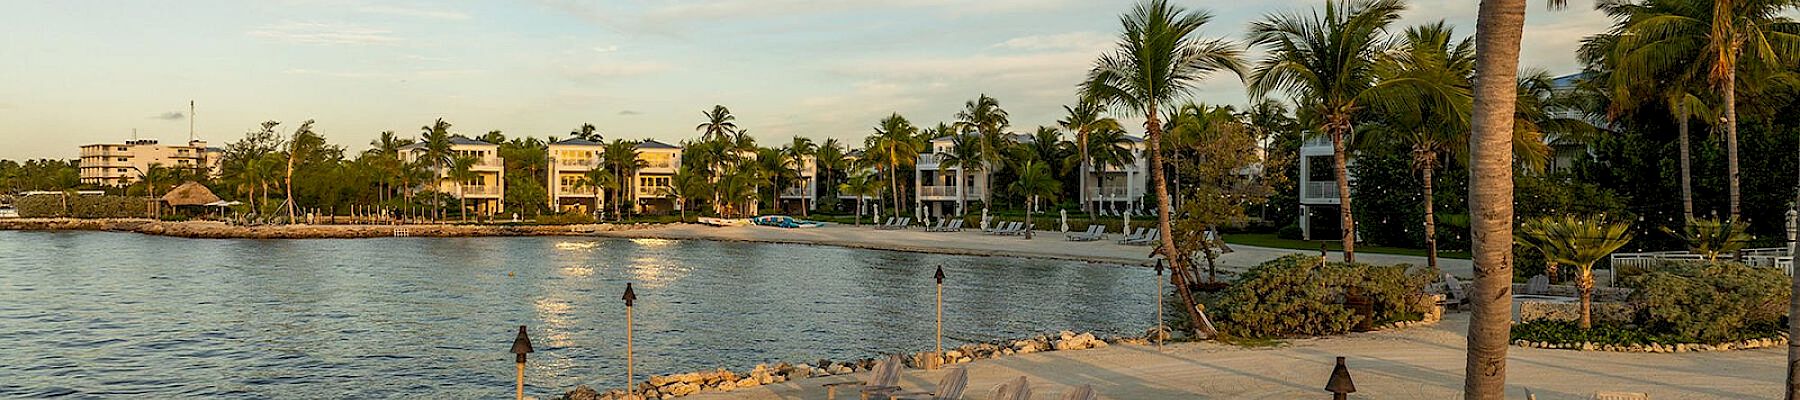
(460, 139)
(653, 144)
(577, 142)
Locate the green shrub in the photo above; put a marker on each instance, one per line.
(52, 206)
(1294, 296)
(1290, 232)
(1708, 302)
(565, 219)
(1570, 332)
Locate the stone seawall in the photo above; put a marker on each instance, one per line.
(218, 230)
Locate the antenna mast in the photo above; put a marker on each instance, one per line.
(190, 121)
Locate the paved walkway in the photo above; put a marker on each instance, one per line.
(973, 242)
(1416, 363)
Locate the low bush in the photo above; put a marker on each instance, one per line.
(1708, 302)
(1570, 332)
(1291, 232)
(53, 206)
(1295, 296)
(565, 219)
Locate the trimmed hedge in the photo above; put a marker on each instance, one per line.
(51, 206)
(1294, 296)
(1709, 302)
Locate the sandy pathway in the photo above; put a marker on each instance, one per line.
(1417, 363)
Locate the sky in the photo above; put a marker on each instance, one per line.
(93, 71)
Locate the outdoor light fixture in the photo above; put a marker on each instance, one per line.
(1159, 306)
(629, 297)
(520, 347)
(939, 276)
(1340, 385)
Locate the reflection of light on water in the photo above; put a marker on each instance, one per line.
(555, 314)
(578, 271)
(652, 272)
(576, 245)
(652, 242)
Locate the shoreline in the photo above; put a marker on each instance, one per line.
(220, 230)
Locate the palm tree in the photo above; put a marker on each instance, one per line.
(599, 178)
(1499, 25)
(1578, 242)
(965, 150)
(587, 132)
(437, 155)
(303, 143)
(1035, 182)
(1327, 63)
(894, 143)
(385, 150)
(1720, 36)
(1109, 147)
(1711, 237)
(985, 117)
(1430, 55)
(863, 186)
(1083, 119)
(623, 158)
(830, 158)
(1158, 61)
(462, 170)
(797, 153)
(719, 123)
(684, 185)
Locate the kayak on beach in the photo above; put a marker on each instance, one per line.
(783, 221)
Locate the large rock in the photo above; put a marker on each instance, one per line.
(583, 392)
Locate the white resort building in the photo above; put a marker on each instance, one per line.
(1118, 188)
(804, 192)
(484, 192)
(569, 161)
(939, 192)
(120, 164)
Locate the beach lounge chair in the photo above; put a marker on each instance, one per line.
(1092, 233)
(939, 226)
(950, 387)
(1005, 228)
(890, 221)
(1020, 229)
(1014, 389)
(882, 380)
(897, 224)
(1453, 292)
(1151, 236)
(1084, 392)
(1134, 236)
(1621, 396)
(953, 225)
(1539, 285)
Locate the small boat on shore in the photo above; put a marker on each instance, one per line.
(783, 221)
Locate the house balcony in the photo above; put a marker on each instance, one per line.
(1315, 192)
(947, 193)
(1113, 193)
(576, 165)
(796, 193)
(569, 190)
(651, 192)
(929, 161)
(476, 190)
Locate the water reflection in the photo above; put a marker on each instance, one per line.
(380, 318)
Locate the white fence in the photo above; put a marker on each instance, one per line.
(1773, 257)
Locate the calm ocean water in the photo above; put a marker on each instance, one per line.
(109, 315)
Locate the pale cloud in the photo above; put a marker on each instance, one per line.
(613, 70)
(1085, 41)
(630, 112)
(170, 116)
(324, 34)
(606, 49)
(413, 12)
(417, 74)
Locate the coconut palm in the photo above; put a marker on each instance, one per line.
(301, 145)
(862, 185)
(683, 186)
(796, 154)
(894, 145)
(1035, 182)
(1671, 88)
(1327, 62)
(965, 151)
(1429, 54)
(1579, 242)
(829, 159)
(384, 151)
(462, 171)
(986, 118)
(587, 132)
(1159, 60)
(1723, 37)
(623, 159)
(437, 155)
(719, 124)
(1108, 147)
(1083, 119)
(598, 178)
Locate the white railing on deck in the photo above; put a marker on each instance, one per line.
(1773, 257)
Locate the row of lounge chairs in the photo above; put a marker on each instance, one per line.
(1143, 236)
(948, 225)
(895, 223)
(1010, 229)
(884, 382)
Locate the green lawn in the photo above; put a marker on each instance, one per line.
(1269, 240)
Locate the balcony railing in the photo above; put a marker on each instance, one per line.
(1320, 191)
(794, 192)
(483, 190)
(650, 191)
(575, 190)
(948, 191)
(928, 161)
(1111, 193)
(582, 163)
(660, 164)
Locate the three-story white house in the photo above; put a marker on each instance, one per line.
(938, 190)
(652, 181)
(1118, 188)
(484, 192)
(570, 160)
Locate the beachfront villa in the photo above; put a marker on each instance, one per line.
(569, 160)
(804, 192)
(939, 191)
(1118, 188)
(1318, 188)
(120, 164)
(484, 191)
(661, 160)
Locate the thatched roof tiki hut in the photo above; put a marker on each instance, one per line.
(191, 194)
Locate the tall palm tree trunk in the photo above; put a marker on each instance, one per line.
(1687, 186)
(1165, 229)
(1081, 140)
(1339, 164)
(894, 182)
(289, 183)
(1498, 28)
(1586, 287)
(1731, 137)
(1793, 354)
(1431, 256)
